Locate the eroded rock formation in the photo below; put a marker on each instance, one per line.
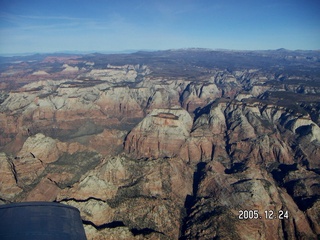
(175, 149)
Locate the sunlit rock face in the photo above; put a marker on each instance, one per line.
(161, 134)
(169, 144)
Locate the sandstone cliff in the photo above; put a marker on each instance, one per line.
(172, 145)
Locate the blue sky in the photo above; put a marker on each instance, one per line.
(104, 25)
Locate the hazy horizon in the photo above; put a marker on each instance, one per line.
(131, 51)
(106, 26)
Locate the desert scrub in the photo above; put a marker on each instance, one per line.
(77, 164)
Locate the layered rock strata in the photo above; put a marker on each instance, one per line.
(178, 148)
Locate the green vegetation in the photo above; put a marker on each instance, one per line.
(76, 164)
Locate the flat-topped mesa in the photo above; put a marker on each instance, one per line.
(161, 134)
(166, 119)
(206, 134)
(167, 116)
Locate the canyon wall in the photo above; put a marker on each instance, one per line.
(147, 152)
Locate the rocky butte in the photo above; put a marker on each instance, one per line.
(177, 144)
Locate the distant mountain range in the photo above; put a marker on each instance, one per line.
(174, 144)
(78, 52)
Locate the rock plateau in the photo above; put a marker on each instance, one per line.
(169, 144)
